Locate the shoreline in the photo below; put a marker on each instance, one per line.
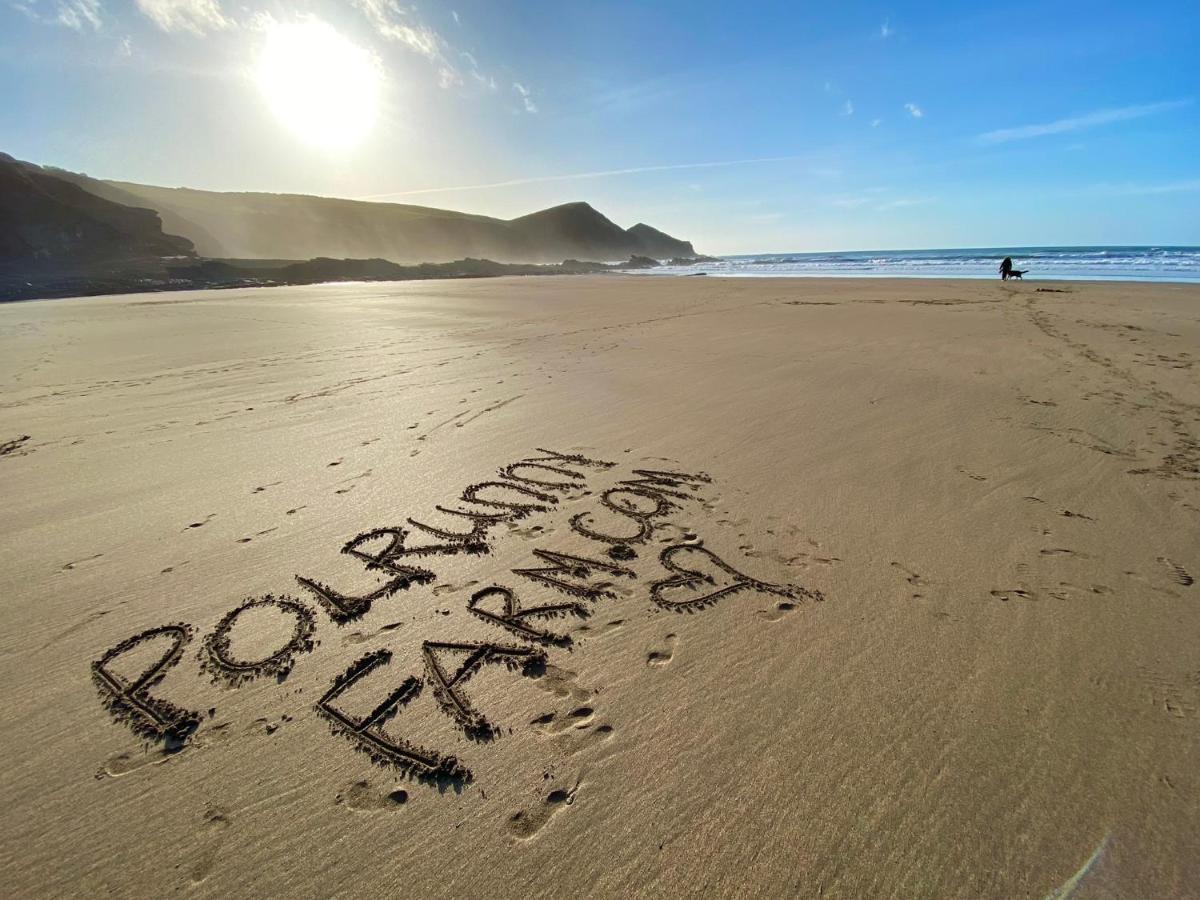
(835, 279)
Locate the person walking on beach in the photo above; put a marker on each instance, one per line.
(1005, 268)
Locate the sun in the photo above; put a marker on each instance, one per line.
(321, 86)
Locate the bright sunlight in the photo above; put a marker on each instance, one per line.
(324, 88)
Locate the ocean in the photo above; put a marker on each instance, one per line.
(1043, 263)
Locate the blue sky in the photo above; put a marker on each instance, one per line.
(743, 127)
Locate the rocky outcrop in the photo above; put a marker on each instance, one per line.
(652, 242)
(47, 223)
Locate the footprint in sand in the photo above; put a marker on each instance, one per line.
(263, 725)
(207, 519)
(574, 731)
(531, 533)
(1013, 594)
(1071, 514)
(914, 579)
(1068, 591)
(216, 823)
(452, 588)
(777, 612)
(1149, 583)
(609, 627)
(246, 540)
(525, 823)
(358, 637)
(554, 723)
(128, 761)
(79, 562)
(656, 659)
(1179, 574)
(561, 683)
(361, 797)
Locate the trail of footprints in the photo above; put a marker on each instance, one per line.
(1066, 590)
(1177, 697)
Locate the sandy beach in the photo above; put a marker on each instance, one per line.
(603, 585)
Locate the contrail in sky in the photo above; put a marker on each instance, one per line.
(539, 179)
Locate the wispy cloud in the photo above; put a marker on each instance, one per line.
(73, 14)
(195, 16)
(877, 199)
(765, 218)
(484, 81)
(914, 110)
(847, 108)
(875, 123)
(1077, 123)
(902, 202)
(886, 30)
(1136, 190)
(581, 176)
(395, 22)
(526, 100)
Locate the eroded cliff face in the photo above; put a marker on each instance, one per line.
(48, 223)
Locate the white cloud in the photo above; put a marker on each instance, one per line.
(875, 123)
(914, 110)
(530, 106)
(125, 48)
(1076, 123)
(847, 108)
(195, 16)
(886, 30)
(457, 20)
(73, 14)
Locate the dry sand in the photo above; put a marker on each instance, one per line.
(929, 628)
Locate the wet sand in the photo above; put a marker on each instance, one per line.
(617, 585)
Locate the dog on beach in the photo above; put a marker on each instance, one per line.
(1017, 273)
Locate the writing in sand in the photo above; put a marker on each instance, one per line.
(624, 510)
